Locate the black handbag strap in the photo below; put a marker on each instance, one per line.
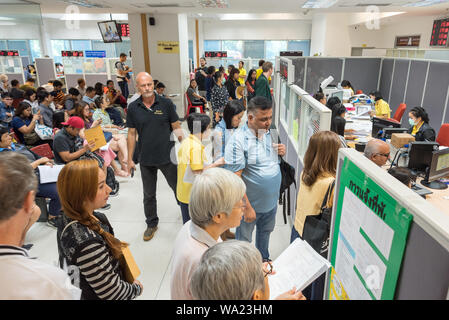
(326, 197)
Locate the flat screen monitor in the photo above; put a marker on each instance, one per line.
(338, 94)
(387, 132)
(109, 31)
(439, 168)
(420, 155)
(380, 123)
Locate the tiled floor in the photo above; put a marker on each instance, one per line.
(128, 220)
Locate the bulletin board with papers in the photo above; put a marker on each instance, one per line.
(369, 239)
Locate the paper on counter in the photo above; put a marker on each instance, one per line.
(49, 174)
(298, 266)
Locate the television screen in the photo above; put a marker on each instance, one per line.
(109, 32)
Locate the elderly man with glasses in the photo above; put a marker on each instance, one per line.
(377, 151)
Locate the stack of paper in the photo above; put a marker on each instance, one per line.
(298, 266)
(49, 174)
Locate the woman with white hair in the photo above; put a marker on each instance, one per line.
(233, 270)
(4, 87)
(216, 203)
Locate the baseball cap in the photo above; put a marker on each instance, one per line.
(75, 122)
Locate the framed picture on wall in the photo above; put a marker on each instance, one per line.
(407, 41)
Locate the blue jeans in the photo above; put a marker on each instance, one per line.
(185, 212)
(264, 222)
(124, 88)
(49, 190)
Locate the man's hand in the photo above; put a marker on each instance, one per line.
(280, 148)
(249, 215)
(89, 146)
(291, 295)
(131, 165)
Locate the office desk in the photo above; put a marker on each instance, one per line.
(439, 198)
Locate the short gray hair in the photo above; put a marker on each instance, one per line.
(372, 147)
(3, 77)
(214, 191)
(17, 179)
(230, 270)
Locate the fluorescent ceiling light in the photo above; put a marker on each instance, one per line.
(319, 4)
(425, 3)
(86, 16)
(7, 23)
(267, 16)
(6, 19)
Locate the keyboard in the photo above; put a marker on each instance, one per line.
(421, 190)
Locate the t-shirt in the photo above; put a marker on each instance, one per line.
(153, 126)
(191, 156)
(190, 92)
(63, 141)
(259, 72)
(69, 104)
(18, 123)
(47, 115)
(382, 107)
(120, 66)
(242, 73)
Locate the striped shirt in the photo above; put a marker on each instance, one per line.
(92, 265)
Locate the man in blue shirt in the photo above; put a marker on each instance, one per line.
(252, 155)
(6, 109)
(89, 97)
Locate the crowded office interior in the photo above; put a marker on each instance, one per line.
(224, 150)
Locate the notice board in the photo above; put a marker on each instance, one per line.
(369, 239)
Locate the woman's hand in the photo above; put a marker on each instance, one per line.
(291, 295)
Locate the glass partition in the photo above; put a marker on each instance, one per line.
(73, 65)
(10, 65)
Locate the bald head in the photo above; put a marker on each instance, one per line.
(145, 84)
(377, 151)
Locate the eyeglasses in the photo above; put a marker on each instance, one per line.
(384, 154)
(243, 206)
(269, 269)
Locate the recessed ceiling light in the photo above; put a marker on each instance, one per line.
(319, 4)
(214, 3)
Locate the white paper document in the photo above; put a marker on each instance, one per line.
(298, 266)
(49, 174)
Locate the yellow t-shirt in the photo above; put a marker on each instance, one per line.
(310, 199)
(382, 107)
(242, 73)
(190, 155)
(259, 72)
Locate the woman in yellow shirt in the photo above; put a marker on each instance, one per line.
(320, 165)
(382, 108)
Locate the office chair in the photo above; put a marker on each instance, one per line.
(400, 112)
(443, 135)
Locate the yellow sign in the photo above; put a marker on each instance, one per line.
(168, 47)
(336, 290)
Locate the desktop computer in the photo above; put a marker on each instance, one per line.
(380, 123)
(439, 168)
(420, 155)
(387, 132)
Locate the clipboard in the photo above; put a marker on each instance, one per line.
(95, 134)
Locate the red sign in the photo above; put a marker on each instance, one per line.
(215, 54)
(440, 33)
(123, 29)
(9, 53)
(72, 53)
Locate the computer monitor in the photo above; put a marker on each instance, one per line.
(380, 123)
(420, 155)
(387, 132)
(439, 168)
(338, 94)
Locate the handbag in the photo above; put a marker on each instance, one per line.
(317, 228)
(44, 132)
(31, 138)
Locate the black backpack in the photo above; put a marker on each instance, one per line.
(288, 177)
(111, 181)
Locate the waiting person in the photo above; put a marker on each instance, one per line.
(85, 237)
(99, 90)
(24, 123)
(377, 151)
(200, 77)
(230, 67)
(28, 85)
(23, 277)
(209, 82)
(194, 96)
(242, 73)
(45, 99)
(116, 98)
(233, 270)
(215, 206)
(31, 98)
(382, 109)
(155, 144)
(262, 88)
(4, 86)
(67, 144)
(233, 83)
(251, 84)
(89, 97)
(223, 71)
(123, 74)
(16, 92)
(338, 122)
(320, 166)
(332, 102)
(419, 125)
(6, 109)
(260, 71)
(100, 112)
(160, 89)
(81, 87)
(47, 190)
(192, 159)
(219, 97)
(262, 177)
(71, 99)
(319, 96)
(345, 84)
(403, 174)
(57, 93)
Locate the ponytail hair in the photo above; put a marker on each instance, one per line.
(419, 112)
(78, 183)
(217, 75)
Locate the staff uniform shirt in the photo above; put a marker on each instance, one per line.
(47, 115)
(260, 165)
(153, 126)
(382, 107)
(242, 73)
(64, 141)
(259, 72)
(26, 278)
(190, 244)
(191, 156)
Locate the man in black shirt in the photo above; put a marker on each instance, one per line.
(153, 118)
(200, 77)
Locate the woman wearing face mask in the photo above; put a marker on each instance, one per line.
(419, 125)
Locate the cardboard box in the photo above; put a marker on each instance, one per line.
(398, 140)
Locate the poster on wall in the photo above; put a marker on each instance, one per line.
(369, 239)
(407, 41)
(168, 47)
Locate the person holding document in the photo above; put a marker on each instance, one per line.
(46, 190)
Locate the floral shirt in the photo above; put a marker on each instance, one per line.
(219, 98)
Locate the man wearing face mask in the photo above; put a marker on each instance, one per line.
(153, 118)
(23, 277)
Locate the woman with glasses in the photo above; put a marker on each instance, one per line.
(215, 205)
(233, 270)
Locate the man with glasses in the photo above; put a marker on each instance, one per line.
(377, 151)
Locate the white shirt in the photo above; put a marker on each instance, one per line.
(25, 278)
